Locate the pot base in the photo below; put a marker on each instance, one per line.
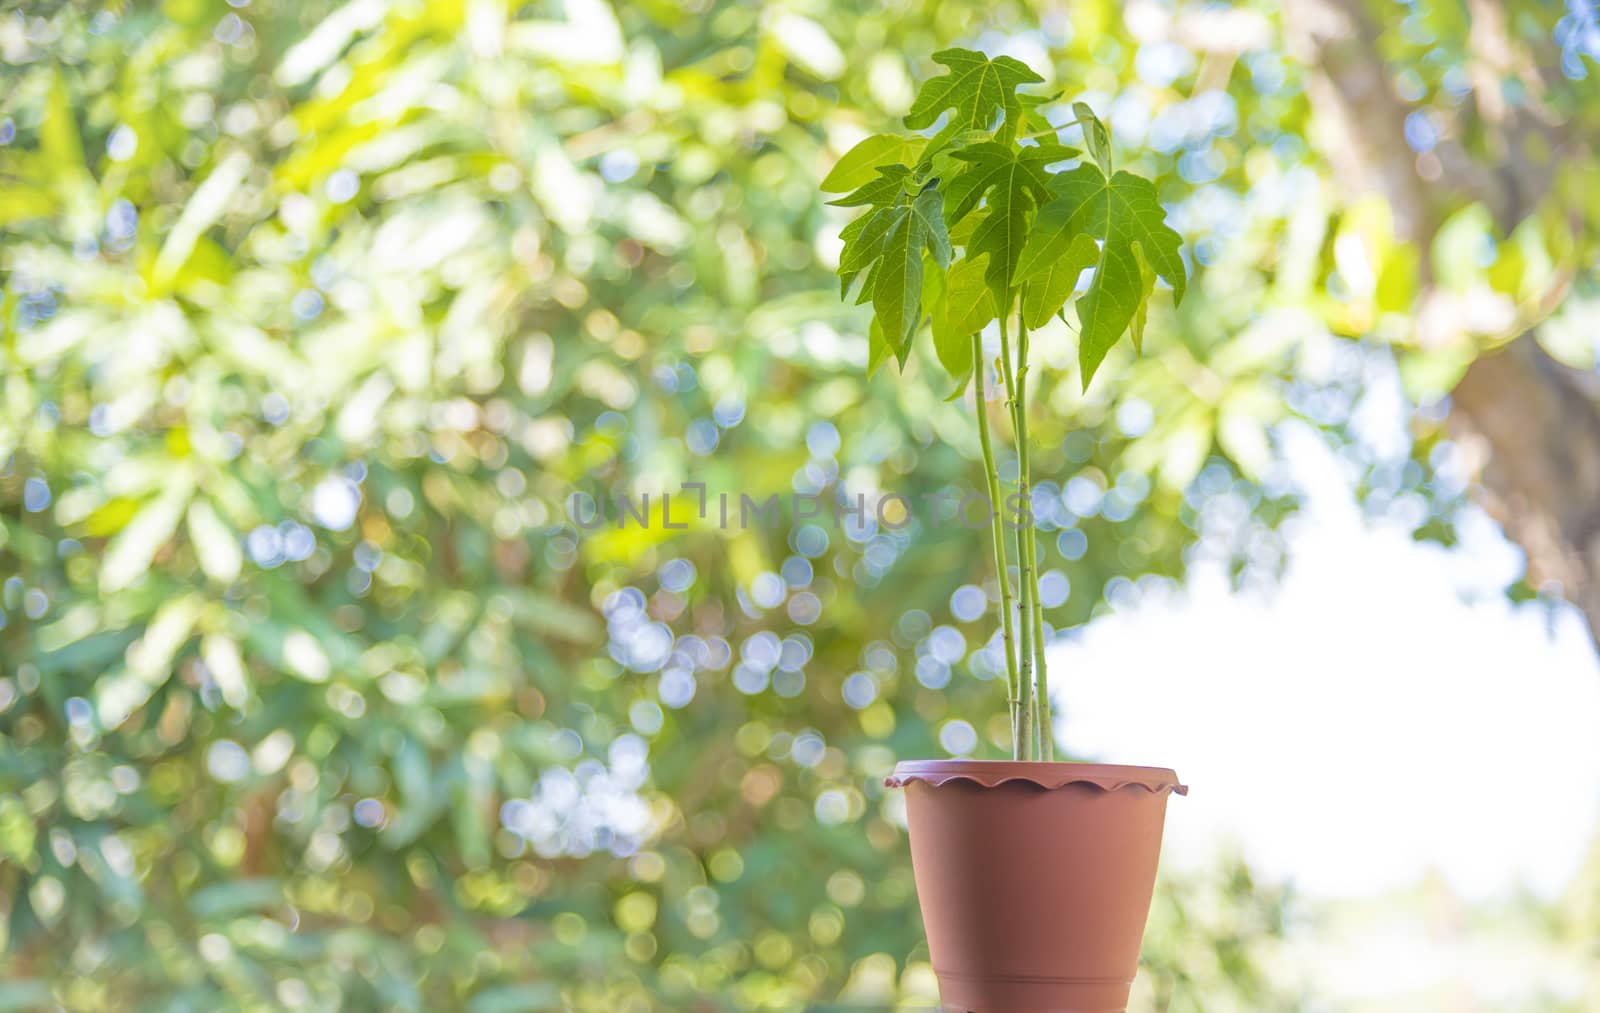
(964, 994)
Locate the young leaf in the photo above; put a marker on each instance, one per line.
(938, 158)
(850, 236)
(895, 282)
(877, 348)
(992, 165)
(1014, 181)
(868, 240)
(928, 209)
(897, 278)
(863, 238)
(859, 166)
(1095, 136)
(1031, 106)
(867, 287)
(1148, 280)
(964, 307)
(975, 88)
(933, 278)
(1123, 214)
(1048, 289)
(886, 188)
(961, 232)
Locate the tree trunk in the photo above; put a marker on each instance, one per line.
(1536, 421)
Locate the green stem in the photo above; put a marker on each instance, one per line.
(1047, 734)
(1025, 586)
(1029, 604)
(992, 475)
(1044, 733)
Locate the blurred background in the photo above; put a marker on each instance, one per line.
(314, 316)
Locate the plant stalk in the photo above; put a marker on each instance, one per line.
(1047, 734)
(1025, 583)
(991, 473)
(1044, 733)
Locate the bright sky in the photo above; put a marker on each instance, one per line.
(1364, 725)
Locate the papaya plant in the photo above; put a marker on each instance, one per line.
(982, 216)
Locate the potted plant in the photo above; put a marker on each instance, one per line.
(1034, 877)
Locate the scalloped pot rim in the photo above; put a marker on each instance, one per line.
(993, 773)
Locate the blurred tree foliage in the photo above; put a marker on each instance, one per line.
(315, 316)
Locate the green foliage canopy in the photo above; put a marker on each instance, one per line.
(314, 316)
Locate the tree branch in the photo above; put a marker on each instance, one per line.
(1536, 421)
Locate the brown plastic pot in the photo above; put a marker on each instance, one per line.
(1034, 878)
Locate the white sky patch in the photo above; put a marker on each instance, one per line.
(1379, 718)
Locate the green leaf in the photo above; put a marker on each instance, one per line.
(894, 284)
(961, 232)
(1148, 284)
(964, 307)
(1095, 136)
(992, 166)
(1123, 214)
(1013, 182)
(865, 244)
(887, 188)
(938, 158)
(865, 295)
(976, 88)
(877, 348)
(859, 166)
(897, 281)
(1031, 106)
(928, 210)
(850, 235)
(1044, 294)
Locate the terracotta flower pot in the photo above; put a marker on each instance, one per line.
(1034, 878)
